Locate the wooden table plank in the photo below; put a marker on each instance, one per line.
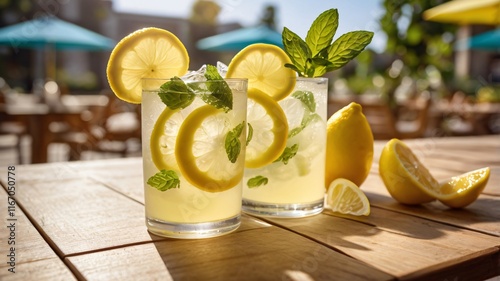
(403, 245)
(274, 254)
(33, 256)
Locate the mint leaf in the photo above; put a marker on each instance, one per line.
(322, 30)
(220, 95)
(257, 181)
(306, 120)
(176, 94)
(288, 154)
(249, 134)
(164, 180)
(296, 48)
(307, 99)
(347, 47)
(232, 142)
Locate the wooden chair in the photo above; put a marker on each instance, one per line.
(108, 129)
(10, 126)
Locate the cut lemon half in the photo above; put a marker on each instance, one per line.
(200, 153)
(405, 177)
(270, 129)
(146, 53)
(458, 192)
(346, 197)
(264, 67)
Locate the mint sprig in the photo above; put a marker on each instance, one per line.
(317, 55)
(288, 153)
(164, 180)
(215, 91)
(232, 142)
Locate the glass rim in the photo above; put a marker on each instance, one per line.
(298, 78)
(195, 81)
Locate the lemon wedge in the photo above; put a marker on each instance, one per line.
(201, 158)
(460, 191)
(270, 129)
(345, 197)
(263, 66)
(146, 53)
(405, 177)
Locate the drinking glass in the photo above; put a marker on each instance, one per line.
(193, 157)
(296, 187)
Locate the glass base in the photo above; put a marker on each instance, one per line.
(193, 230)
(282, 210)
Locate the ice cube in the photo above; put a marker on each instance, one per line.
(196, 75)
(222, 69)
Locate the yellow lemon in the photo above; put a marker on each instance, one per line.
(405, 177)
(202, 160)
(345, 197)
(269, 129)
(460, 191)
(163, 137)
(146, 53)
(264, 67)
(349, 146)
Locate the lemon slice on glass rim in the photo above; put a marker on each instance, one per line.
(146, 53)
(269, 129)
(201, 158)
(264, 67)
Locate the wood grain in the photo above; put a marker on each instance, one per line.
(259, 254)
(395, 243)
(34, 257)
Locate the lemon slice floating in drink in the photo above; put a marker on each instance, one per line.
(345, 197)
(270, 129)
(200, 157)
(263, 66)
(162, 140)
(146, 53)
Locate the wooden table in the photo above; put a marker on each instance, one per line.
(85, 221)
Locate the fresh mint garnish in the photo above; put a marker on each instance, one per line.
(232, 142)
(249, 134)
(220, 94)
(307, 99)
(317, 55)
(288, 154)
(165, 180)
(176, 94)
(257, 181)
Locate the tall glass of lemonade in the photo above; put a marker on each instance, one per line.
(193, 136)
(293, 184)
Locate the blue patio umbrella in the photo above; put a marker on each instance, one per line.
(238, 39)
(51, 33)
(487, 41)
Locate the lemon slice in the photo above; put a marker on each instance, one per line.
(458, 192)
(270, 129)
(407, 180)
(146, 53)
(162, 140)
(202, 159)
(264, 67)
(345, 197)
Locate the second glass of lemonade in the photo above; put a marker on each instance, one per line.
(294, 184)
(193, 137)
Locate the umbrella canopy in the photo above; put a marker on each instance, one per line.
(238, 39)
(53, 32)
(466, 12)
(485, 41)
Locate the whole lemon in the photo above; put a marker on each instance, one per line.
(349, 147)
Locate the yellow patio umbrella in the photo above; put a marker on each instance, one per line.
(466, 12)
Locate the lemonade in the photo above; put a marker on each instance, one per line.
(190, 142)
(294, 181)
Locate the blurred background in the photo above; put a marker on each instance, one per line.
(422, 76)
